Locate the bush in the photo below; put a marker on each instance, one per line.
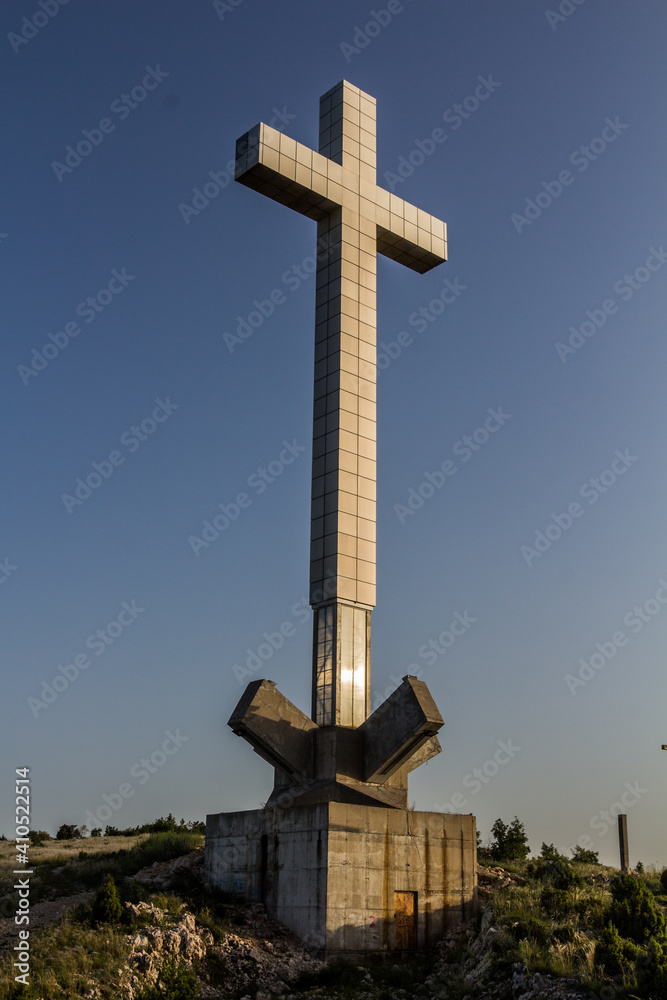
(583, 857)
(663, 880)
(556, 902)
(174, 982)
(96, 831)
(68, 832)
(609, 954)
(558, 871)
(510, 842)
(165, 824)
(531, 927)
(38, 837)
(549, 853)
(107, 907)
(652, 971)
(634, 911)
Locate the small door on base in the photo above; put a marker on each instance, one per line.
(405, 921)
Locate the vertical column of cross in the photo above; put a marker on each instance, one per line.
(344, 435)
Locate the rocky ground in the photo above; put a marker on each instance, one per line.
(261, 960)
(258, 959)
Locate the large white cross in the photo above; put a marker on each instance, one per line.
(356, 219)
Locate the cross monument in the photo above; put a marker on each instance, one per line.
(344, 755)
(356, 219)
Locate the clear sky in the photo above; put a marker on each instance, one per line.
(539, 138)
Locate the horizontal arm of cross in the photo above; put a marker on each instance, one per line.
(296, 176)
(314, 185)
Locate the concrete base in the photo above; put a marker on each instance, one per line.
(349, 878)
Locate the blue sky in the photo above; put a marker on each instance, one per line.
(552, 186)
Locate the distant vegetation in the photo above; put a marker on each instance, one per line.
(165, 824)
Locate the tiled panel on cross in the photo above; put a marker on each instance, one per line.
(344, 431)
(344, 428)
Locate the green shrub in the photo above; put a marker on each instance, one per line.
(609, 954)
(652, 970)
(531, 927)
(164, 824)
(556, 902)
(510, 842)
(68, 832)
(107, 907)
(550, 853)
(38, 837)
(663, 880)
(561, 878)
(583, 857)
(634, 911)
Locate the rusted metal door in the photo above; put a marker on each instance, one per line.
(405, 921)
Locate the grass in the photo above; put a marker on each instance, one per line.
(560, 941)
(65, 957)
(68, 954)
(63, 851)
(79, 874)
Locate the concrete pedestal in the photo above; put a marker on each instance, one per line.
(349, 878)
